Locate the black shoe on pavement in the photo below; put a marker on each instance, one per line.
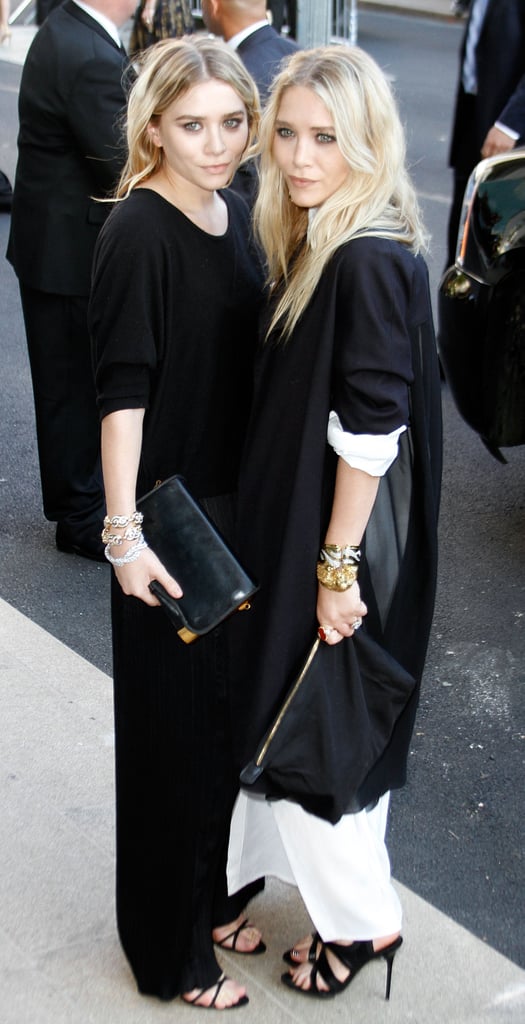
(86, 545)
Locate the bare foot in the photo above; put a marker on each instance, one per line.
(224, 994)
(239, 936)
(302, 977)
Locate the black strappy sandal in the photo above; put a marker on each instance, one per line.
(354, 957)
(211, 1006)
(260, 948)
(312, 953)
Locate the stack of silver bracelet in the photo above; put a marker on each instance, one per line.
(132, 527)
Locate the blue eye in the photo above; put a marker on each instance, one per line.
(284, 133)
(233, 122)
(192, 126)
(324, 138)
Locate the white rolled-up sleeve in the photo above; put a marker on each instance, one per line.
(372, 453)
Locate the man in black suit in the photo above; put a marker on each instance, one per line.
(489, 115)
(69, 154)
(245, 27)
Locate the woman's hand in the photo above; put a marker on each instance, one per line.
(136, 577)
(338, 611)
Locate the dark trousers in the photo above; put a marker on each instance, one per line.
(67, 424)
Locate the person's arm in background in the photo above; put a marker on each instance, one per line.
(510, 125)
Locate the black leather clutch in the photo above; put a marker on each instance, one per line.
(194, 552)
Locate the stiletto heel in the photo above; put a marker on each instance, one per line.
(353, 957)
(389, 957)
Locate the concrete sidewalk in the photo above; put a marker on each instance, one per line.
(60, 959)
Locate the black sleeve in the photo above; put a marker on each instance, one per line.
(126, 310)
(372, 366)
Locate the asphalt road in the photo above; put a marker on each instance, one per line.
(456, 829)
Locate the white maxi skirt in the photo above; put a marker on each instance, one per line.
(342, 871)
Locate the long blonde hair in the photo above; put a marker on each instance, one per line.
(168, 70)
(377, 198)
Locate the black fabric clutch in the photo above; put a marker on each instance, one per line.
(336, 721)
(194, 552)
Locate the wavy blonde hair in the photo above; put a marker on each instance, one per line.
(377, 198)
(168, 70)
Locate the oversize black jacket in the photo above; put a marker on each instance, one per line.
(364, 347)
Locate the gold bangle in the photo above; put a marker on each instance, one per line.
(339, 578)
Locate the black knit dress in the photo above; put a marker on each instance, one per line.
(173, 318)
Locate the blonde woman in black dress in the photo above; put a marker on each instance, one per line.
(176, 293)
(346, 434)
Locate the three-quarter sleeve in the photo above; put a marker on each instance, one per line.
(373, 365)
(126, 312)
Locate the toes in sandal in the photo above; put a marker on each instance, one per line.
(242, 1001)
(353, 957)
(289, 958)
(232, 947)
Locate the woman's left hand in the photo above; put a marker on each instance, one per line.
(339, 614)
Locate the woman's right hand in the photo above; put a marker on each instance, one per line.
(136, 577)
(337, 611)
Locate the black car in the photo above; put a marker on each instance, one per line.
(482, 305)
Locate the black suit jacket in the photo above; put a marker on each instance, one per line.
(500, 63)
(262, 53)
(69, 150)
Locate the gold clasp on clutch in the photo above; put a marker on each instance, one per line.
(187, 635)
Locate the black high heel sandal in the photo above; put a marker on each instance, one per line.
(354, 957)
(259, 948)
(312, 953)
